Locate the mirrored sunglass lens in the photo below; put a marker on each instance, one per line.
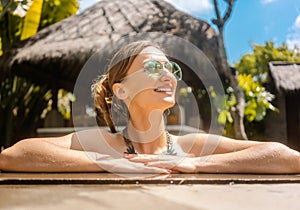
(176, 70)
(169, 66)
(153, 68)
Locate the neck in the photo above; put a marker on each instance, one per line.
(147, 131)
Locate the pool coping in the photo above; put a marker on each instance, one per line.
(109, 178)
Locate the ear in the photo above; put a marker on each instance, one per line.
(120, 91)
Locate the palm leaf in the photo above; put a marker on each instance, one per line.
(32, 19)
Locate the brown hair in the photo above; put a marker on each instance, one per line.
(117, 70)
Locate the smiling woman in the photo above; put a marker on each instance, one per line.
(144, 80)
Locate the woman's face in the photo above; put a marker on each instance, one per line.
(146, 90)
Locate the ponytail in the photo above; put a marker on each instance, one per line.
(117, 70)
(102, 95)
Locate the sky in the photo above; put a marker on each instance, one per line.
(251, 22)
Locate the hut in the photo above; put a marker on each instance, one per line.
(284, 126)
(57, 54)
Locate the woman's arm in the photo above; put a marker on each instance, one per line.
(226, 155)
(206, 144)
(269, 157)
(216, 154)
(65, 154)
(41, 155)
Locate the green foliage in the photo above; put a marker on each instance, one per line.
(223, 105)
(257, 98)
(21, 101)
(63, 104)
(254, 75)
(32, 19)
(57, 10)
(20, 19)
(256, 63)
(11, 14)
(21, 104)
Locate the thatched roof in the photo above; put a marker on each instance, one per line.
(59, 52)
(286, 75)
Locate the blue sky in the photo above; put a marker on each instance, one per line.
(252, 22)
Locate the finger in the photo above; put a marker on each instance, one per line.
(141, 156)
(130, 167)
(158, 170)
(128, 156)
(141, 160)
(162, 164)
(151, 169)
(141, 168)
(151, 158)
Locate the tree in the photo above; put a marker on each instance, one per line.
(258, 100)
(256, 63)
(238, 110)
(253, 80)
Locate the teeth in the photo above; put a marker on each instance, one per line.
(163, 89)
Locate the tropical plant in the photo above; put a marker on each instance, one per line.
(21, 101)
(20, 19)
(256, 63)
(258, 101)
(227, 71)
(253, 80)
(63, 103)
(21, 104)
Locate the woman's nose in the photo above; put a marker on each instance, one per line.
(167, 76)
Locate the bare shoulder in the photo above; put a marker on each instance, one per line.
(98, 140)
(63, 141)
(203, 144)
(93, 140)
(76, 139)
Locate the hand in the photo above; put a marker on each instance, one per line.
(176, 163)
(122, 165)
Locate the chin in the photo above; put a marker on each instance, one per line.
(169, 102)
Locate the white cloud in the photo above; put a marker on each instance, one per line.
(293, 41)
(193, 6)
(266, 1)
(297, 22)
(293, 38)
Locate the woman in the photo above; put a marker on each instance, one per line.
(141, 76)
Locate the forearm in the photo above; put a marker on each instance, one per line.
(41, 156)
(273, 158)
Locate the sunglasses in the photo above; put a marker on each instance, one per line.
(155, 69)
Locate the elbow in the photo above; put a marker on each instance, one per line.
(3, 160)
(294, 162)
(9, 156)
(289, 158)
(8, 159)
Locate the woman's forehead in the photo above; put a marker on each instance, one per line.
(152, 53)
(149, 53)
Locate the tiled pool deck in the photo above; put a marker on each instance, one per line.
(178, 191)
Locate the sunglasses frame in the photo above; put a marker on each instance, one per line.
(175, 68)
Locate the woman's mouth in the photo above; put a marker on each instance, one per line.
(166, 90)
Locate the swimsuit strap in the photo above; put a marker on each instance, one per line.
(131, 150)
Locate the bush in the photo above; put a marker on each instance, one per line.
(21, 104)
